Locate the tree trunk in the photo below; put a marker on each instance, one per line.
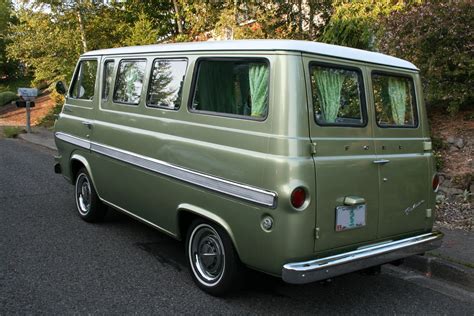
(178, 17)
(81, 29)
(300, 18)
(311, 20)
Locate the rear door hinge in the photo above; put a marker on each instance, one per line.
(316, 233)
(313, 148)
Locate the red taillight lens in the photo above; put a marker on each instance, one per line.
(435, 182)
(298, 197)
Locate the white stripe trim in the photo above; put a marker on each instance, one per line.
(238, 190)
(83, 143)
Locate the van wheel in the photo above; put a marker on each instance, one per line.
(214, 264)
(88, 204)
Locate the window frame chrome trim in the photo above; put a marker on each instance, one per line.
(238, 190)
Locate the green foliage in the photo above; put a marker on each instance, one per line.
(274, 19)
(438, 146)
(142, 32)
(48, 36)
(50, 48)
(12, 84)
(354, 23)
(7, 97)
(49, 119)
(12, 131)
(437, 37)
(8, 68)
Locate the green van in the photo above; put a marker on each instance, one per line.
(298, 159)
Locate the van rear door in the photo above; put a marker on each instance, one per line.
(347, 199)
(404, 167)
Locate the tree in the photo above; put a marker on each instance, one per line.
(142, 32)
(437, 37)
(7, 67)
(302, 19)
(50, 35)
(355, 23)
(48, 45)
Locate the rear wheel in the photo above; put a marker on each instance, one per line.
(88, 204)
(213, 261)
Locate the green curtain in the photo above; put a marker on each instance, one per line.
(397, 90)
(216, 87)
(243, 94)
(258, 79)
(329, 84)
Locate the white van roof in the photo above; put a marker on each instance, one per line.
(267, 45)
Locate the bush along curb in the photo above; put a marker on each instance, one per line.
(441, 269)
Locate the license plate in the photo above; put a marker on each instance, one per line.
(350, 217)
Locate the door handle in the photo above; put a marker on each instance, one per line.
(381, 161)
(87, 123)
(353, 200)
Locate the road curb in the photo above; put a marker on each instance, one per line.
(41, 137)
(441, 268)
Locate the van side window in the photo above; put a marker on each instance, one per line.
(338, 96)
(236, 87)
(129, 82)
(84, 81)
(394, 98)
(166, 83)
(108, 72)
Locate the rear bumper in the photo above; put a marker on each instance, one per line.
(364, 257)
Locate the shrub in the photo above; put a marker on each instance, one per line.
(12, 131)
(7, 97)
(49, 119)
(437, 37)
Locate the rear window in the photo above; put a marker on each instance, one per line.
(338, 95)
(83, 86)
(394, 98)
(237, 87)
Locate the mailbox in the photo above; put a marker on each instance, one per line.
(22, 104)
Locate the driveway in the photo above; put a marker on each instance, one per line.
(51, 262)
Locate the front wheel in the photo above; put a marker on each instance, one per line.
(214, 264)
(89, 206)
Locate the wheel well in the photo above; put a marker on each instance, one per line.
(185, 218)
(76, 165)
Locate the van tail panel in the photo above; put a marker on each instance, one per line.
(347, 184)
(404, 186)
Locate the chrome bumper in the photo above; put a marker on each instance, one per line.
(364, 257)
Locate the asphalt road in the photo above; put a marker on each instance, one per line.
(51, 262)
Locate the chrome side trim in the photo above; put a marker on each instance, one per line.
(141, 219)
(364, 257)
(83, 143)
(238, 190)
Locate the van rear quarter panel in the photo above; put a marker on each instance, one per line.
(273, 154)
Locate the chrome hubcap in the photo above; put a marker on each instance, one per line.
(207, 254)
(83, 194)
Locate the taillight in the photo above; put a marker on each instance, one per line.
(435, 182)
(298, 197)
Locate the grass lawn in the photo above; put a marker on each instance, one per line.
(14, 84)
